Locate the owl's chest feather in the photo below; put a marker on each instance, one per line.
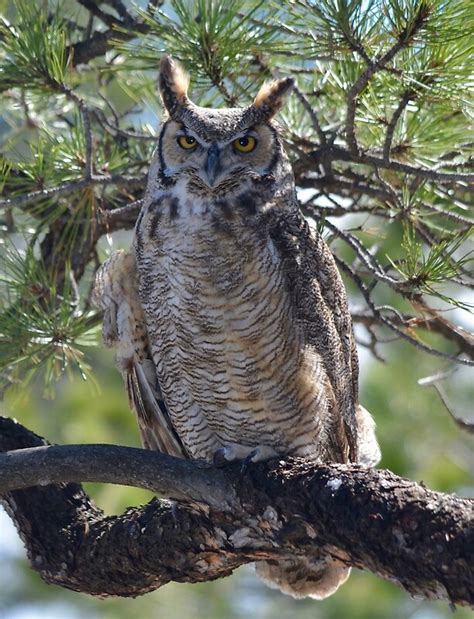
(215, 270)
(228, 351)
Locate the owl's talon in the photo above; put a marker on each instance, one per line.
(174, 513)
(202, 463)
(246, 461)
(219, 458)
(244, 454)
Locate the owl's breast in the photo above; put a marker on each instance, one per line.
(231, 358)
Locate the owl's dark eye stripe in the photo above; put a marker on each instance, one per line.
(187, 142)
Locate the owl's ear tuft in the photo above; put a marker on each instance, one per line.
(174, 82)
(271, 97)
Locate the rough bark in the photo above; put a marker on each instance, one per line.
(372, 519)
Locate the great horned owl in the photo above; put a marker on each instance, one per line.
(229, 315)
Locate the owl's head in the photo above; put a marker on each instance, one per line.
(217, 150)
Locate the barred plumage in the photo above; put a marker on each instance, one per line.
(229, 313)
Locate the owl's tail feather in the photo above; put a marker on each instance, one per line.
(302, 578)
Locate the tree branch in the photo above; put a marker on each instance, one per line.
(387, 146)
(92, 7)
(101, 42)
(394, 325)
(70, 186)
(404, 39)
(420, 539)
(176, 478)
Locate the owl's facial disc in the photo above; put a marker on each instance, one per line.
(215, 162)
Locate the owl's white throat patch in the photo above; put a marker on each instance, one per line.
(190, 207)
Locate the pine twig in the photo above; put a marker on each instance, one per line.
(467, 426)
(374, 67)
(108, 19)
(312, 114)
(406, 98)
(390, 324)
(70, 186)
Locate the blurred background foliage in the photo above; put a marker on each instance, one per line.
(82, 118)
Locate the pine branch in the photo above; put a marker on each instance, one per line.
(392, 325)
(101, 42)
(404, 39)
(442, 177)
(404, 101)
(337, 153)
(89, 158)
(94, 8)
(367, 518)
(115, 179)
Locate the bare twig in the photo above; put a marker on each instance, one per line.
(461, 423)
(443, 177)
(448, 214)
(338, 184)
(390, 324)
(116, 130)
(337, 153)
(89, 160)
(101, 42)
(434, 381)
(438, 323)
(406, 98)
(363, 254)
(153, 5)
(129, 209)
(312, 114)
(120, 8)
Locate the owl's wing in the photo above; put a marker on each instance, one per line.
(124, 329)
(319, 297)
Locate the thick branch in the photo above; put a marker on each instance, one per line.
(371, 519)
(128, 466)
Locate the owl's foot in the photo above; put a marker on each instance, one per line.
(231, 453)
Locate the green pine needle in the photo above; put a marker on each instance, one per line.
(424, 270)
(33, 51)
(42, 329)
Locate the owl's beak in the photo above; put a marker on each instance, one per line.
(213, 164)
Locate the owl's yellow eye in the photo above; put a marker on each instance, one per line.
(187, 142)
(245, 145)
